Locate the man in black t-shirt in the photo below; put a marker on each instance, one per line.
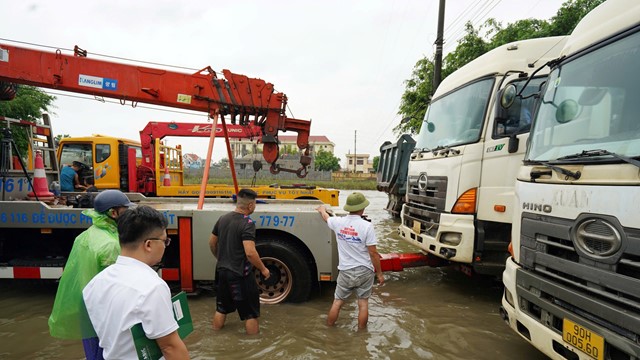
(232, 242)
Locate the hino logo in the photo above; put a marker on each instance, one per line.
(537, 207)
(422, 182)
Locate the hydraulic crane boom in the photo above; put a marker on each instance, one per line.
(244, 100)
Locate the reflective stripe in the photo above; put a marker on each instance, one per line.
(39, 173)
(50, 272)
(24, 272)
(6, 273)
(169, 274)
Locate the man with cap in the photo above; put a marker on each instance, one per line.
(93, 250)
(358, 258)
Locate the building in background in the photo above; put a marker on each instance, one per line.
(288, 145)
(192, 161)
(362, 163)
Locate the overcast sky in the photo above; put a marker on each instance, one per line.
(341, 63)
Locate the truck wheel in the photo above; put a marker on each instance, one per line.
(290, 278)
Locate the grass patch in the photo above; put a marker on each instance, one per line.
(351, 184)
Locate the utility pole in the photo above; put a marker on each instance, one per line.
(437, 73)
(355, 153)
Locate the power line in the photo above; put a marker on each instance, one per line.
(102, 100)
(101, 55)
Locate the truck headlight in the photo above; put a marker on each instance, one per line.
(451, 238)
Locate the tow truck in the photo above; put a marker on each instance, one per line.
(36, 235)
(155, 169)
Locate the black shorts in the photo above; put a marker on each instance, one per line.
(237, 293)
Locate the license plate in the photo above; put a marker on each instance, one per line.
(416, 227)
(583, 339)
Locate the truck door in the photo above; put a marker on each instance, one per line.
(499, 164)
(81, 152)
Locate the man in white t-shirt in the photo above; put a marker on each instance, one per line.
(358, 258)
(131, 292)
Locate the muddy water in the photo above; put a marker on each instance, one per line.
(420, 313)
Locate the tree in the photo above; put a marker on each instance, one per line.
(326, 161)
(376, 162)
(416, 97)
(29, 104)
(569, 14)
(59, 137)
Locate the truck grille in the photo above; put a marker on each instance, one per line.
(589, 267)
(426, 201)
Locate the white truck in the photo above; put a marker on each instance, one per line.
(572, 286)
(459, 197)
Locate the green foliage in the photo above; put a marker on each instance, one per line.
(376, 162)
(417, 92)
(570, 14)
(413, 104)
(289, 149)
(326, 161)
(59, 137)
(521, 29)
(29, 104)
(469, 47)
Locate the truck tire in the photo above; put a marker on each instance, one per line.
(290, 278)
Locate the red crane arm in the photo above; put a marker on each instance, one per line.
(158, 130)
(241, 98)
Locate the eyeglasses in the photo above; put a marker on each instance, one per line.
(166, 240)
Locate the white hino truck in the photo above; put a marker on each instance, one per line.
(572, 286)
(459, 196)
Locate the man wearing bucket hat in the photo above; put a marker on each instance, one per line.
(93, 250)
(358, 258)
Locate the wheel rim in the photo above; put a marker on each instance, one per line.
(276, 289)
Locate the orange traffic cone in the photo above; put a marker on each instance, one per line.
(166, 181)
(40, 186)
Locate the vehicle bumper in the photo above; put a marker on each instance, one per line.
(549, 341)
(450, 224)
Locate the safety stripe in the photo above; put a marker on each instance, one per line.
(6, 272)
(169, 274)
(28, 272)
(39, 173)
(50, 272)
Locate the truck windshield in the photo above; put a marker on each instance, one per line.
(76, 152)
(456, 118)
(591, 103)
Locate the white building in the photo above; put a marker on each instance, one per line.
(362, 163)
(288, 144)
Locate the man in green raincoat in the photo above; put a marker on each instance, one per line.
(93, 250)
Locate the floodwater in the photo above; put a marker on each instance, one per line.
(420, 313)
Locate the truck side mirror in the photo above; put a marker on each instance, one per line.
(508, 96)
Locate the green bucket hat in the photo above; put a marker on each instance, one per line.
(356, 202)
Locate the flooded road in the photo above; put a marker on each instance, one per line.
(420, 313)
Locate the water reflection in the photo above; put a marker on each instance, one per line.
(420, 313)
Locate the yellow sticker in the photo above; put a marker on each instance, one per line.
(184, 99)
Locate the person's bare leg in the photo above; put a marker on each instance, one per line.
(334, 311)
(218, 320)
(363, 313)
(252, 326)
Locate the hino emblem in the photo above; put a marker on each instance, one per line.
(545, 208)
(422, 182)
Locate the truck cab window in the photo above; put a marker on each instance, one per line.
(103, 151)
(76, 152)
(517, 119)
